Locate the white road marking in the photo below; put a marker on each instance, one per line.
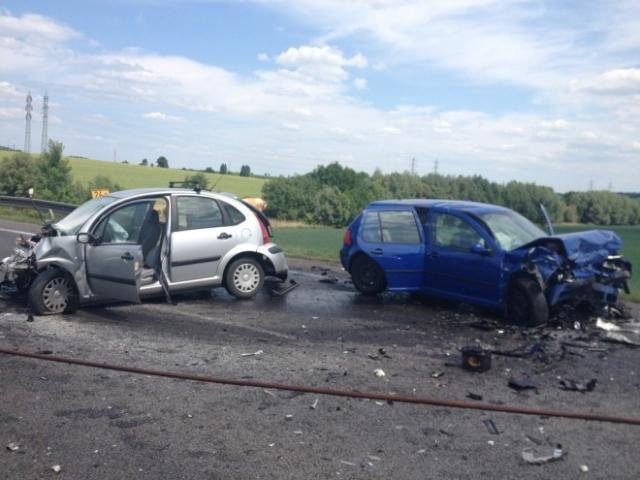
(17, 232)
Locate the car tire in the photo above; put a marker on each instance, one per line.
(244, 278)
(52, 292)
(526, 303)
(367, 276)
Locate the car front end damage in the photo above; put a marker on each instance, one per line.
(32, 255)
(576, 268)
(18, 270)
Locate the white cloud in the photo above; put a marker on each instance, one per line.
(558, 124)
(323, 62)
(11, 113)
(360, 83)
(263, 57)
(35, 28)
(622, 81)
(308, 91)
(162, 117)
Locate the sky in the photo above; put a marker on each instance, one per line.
(545, 91)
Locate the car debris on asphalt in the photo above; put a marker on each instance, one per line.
(530, 457)
(378, 372)
(520, 384)
(252, 354)
(476, 359)
(491, 426)
(572, 385)
(13, 447)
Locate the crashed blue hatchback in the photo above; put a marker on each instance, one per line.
(482, 254)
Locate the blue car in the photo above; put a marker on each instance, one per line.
(482, 254)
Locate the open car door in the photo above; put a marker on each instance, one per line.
(115, 260)
(113, 271)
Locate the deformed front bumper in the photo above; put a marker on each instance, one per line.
(597, 284)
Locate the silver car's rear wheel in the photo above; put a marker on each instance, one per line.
(245, 277)
(53, 292)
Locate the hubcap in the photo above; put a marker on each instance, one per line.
(368, 276)
(246, 278)
(55, 294)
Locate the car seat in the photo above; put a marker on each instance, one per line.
(150, 235)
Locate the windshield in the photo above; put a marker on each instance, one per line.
(70, 225)
(510, 229)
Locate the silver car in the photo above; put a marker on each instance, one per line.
(146, 242)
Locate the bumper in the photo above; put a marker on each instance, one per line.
(275, 256)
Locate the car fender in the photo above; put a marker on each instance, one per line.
(67, 255)
(248, 249)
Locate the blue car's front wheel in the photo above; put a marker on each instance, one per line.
(367, 276)
(526, 303)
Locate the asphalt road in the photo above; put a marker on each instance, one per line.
(99, 424)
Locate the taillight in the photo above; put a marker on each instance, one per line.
(265, 232)
(347, 238)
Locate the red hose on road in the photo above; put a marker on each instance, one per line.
(334, 392)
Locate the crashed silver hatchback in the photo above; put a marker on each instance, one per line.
(141, 243)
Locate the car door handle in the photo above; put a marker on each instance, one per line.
(127, 256)
(377, 251)
(224, 236)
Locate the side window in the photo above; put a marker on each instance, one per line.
(371, 228)
(455, 233)
(124, 225)
(399, 227)
(198, 212)
(234, 216)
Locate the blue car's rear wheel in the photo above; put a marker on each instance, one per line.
(367, 276)
(526, 303)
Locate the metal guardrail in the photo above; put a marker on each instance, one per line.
(22, 202)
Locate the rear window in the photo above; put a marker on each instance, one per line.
(234, 216)
(390, 227)
(198, 212)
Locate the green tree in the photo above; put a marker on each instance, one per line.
(18, 173)
(162, 162)
(144, 162)
(198, 179)
(245, 171)
(223, 168)
(56, 181)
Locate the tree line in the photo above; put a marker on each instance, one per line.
(334, 195)
(49, 174)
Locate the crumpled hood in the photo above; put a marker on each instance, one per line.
(582, 248)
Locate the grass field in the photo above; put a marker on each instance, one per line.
(137, 176)
(325, 242)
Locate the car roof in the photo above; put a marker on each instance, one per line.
(141, 192)
(445, 205)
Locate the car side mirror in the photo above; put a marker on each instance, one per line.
(86, 239)
(480, 249)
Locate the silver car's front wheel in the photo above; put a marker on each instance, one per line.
(245, 277)
(53, 292)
